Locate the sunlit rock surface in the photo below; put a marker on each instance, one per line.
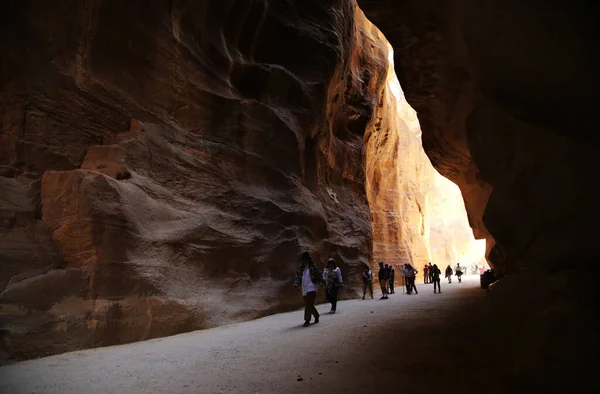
(246, 147)
(418, 216)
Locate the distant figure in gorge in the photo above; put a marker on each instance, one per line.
(404, 268)
(367, 282)
(430, 267)
(449, 273)
(382, 276)
(392, 277)
(435, 274)
(333, 280)
(309, 277)
(411, 275)
(459, 273)
(425, 274)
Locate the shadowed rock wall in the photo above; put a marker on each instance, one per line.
(506, 95)
(246, 147)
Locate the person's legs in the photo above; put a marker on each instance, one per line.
(383, 285)
(414, 286)
(435, 285)
(311, 296)
(365, 284)
(307, 309)
(333, 295)
(371, 288)
(391, 286)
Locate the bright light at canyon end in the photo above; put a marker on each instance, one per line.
(417, 214)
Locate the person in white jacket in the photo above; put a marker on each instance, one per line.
(333, 280)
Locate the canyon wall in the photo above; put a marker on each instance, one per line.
(506, 95)
(399, 180)
(163, 163)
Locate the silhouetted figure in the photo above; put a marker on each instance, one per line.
(333, 280)
(429, 272)
(382, 276)
(309, 277)
(435, 275)
(411, 275)
(392, 275)
(459, 273)
(367, 282)
(425, 274)
(449, 273)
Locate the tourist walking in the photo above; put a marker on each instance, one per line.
(435, 275)
(425, 274)
(382, 276)
(459, 273)
(333, 281)
(411, 275)
(308, 277)
(449, 273)
(367, 282)
(429, 268)
(392, 275)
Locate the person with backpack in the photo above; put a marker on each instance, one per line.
(332, 276)
(383, 279)
(449, 274)
(425, 274)
(459, 272)
(367, 277)
(309, 277)
(435, 274)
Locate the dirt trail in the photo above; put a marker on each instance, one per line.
(423, 343)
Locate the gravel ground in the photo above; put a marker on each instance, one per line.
(414, 343)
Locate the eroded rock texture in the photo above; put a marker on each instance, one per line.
(506, 94)
(399, 180)
(246, 147)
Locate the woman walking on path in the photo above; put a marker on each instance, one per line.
(425, 274)
(333, 280)
(449, 273)
(309, 277)
(459, 272)
(435, 274)
(411, 275)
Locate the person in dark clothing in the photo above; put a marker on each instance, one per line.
(309, 277)
(392, 275)
(411, 275)
(449, 273)
(382, 276)
(367, 282)
(429, 272)
(332, 276)
(435, 274)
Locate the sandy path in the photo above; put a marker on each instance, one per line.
(422, 343)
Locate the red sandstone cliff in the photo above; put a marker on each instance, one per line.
(246, 149)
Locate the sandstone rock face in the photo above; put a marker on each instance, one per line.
(246, 147)
(418, 216)
(399, 180)
(493, 107)
(506, 95)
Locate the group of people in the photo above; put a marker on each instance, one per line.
(309, 277)
(431, 274)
